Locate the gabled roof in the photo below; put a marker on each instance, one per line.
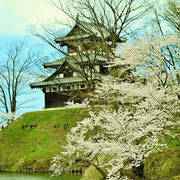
(55, 63)
(60, 62)
(87, 29)
(52, 80)
(70, 64)
(71, 60)
(60, 81)
(57, 81)
(90, 28)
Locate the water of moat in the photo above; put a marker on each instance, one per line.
(19, 176)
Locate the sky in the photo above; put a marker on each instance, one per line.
(15, 18)
(17, 15)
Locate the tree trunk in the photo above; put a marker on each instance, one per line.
(101, 171)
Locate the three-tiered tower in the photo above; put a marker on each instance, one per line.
(82, 67)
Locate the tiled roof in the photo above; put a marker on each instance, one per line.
(88, 28)
(58, 62)
(74, 37)
(58, 81)
(71, 60)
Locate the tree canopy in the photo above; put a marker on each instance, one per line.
(15, 73)
(115, 139)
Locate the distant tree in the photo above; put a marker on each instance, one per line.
(171, 57)
(113, 141)
(172, 14)
(15, 74)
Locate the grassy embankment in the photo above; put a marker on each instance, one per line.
(26, 148)
(31, 149)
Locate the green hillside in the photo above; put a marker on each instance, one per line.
(29, 143)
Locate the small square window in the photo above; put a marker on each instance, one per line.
(61, 75)
(47, 89)
(68, 87)
(82, 85)
(54, 89)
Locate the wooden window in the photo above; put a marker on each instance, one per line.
(67, 87)
(47, 89)
(82, 86)
(103, 69)
(54, 89)
(61, 75)
(61, 88)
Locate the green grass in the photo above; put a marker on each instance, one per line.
(33, 148)
(163, 165)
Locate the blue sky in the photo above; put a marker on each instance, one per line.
(15, 17)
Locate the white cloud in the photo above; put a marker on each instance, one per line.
(35, 11)
(16, 15)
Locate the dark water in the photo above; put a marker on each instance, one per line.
(18, 176)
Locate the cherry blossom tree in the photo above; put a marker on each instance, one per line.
(114, 140)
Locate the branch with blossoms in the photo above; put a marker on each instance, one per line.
(120, 138)
(7, 118)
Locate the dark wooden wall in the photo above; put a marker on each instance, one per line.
(54, 99)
